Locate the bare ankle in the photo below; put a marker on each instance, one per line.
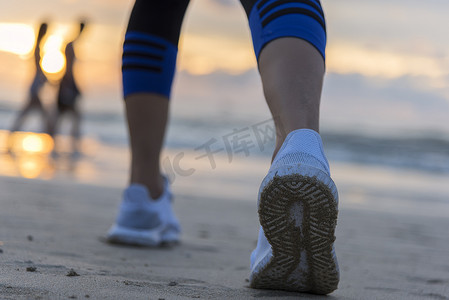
(154, 185)
(156, 189)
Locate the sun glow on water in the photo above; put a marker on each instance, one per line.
(32, 142)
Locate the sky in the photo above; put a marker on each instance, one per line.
(387, 61)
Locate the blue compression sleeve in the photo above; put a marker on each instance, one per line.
(148, 64)
(272, 19)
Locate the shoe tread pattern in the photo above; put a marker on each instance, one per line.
(315, 236)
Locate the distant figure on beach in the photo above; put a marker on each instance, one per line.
(34, 101)
(67, 98)
(298, 200)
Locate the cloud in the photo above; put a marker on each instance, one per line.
(357, 101)
(349, 58)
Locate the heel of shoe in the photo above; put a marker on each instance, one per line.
(298, 213)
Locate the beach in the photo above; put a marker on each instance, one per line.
(50, 229)
(383, 122)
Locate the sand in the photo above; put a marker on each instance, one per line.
(52, 248)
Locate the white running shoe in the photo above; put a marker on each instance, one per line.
(298, 207)
(143, 221)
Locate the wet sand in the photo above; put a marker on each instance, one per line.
(52, 229)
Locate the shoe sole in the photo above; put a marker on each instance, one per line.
(298, 213)
(126, 236)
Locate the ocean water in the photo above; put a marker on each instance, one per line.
(230, 116)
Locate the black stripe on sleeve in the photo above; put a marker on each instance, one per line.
(281, 2)
(141, 67)
(143, 55)
(144, 43)
(293, 10)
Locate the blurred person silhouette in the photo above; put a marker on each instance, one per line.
(298, 201)
(34, 102)
(68, 96)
